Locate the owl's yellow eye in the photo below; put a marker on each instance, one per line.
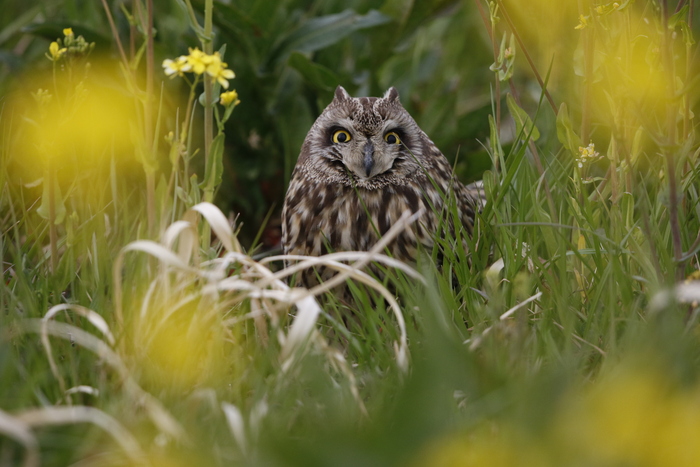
(341, 136)
(392, 138)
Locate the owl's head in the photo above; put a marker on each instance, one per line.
(369, 139)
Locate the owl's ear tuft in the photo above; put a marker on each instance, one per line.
(392, 95)
(341, 94)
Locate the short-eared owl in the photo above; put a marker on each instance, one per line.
(364, 162)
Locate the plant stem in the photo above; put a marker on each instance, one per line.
(115, 34)
(208, 46)
(688, 77)
(53, 236)
(148, 117)
(588, 53)
(491, 29)
(527, 56)
(668, 149)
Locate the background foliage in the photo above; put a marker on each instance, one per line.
(568, 336)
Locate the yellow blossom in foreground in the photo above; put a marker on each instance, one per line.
(42, 97)
(56, 51)
(68, 32)
(176, 67)
(228, 98)
(583, 22)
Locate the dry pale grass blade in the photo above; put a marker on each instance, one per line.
(161, 418)
(234, 418)
(91, 316)
(218, 223)
(302, 326)
(305, 262)
(341, 365)
(163, 254)
(83, 414)
(21, 432)
(187, 235)
(83, 389)
(510, 312)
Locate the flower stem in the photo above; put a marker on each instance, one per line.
(53, 235)
(150, 176)
(208, 46)
(668, 150)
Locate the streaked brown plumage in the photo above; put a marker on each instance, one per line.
(364, 162)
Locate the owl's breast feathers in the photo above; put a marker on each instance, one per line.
(321, 216)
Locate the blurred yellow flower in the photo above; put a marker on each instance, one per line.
(176, 67)
(199, 63)
(56, 51)
(42, 97)
(198, 60)
(228, 98)
(583, 22)
(221, 74)
(68, 32)
(587, 155)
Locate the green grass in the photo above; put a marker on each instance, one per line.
(563, 332)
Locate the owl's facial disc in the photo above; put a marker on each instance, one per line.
(367, 156)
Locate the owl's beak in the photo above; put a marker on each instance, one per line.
(369, 157)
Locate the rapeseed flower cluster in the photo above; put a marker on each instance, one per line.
(587, 155)
(69, 46)
(200, 63)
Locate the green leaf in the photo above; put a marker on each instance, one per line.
(44, 209)
(677, 17)
(565, 132)
(317, 75)
(319, 33)
(215, 167)
(687, 34)
(523, 122)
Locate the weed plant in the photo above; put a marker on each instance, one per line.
(141, 325)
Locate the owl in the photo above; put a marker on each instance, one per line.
(364, 162)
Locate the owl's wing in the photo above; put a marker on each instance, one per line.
(476, 194)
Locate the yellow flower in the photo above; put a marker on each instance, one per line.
(212, 65)
(68, 32)
(198, 60)
(221, 74)
(228, 98)
(587, 155)
(583, 22)
(176, 67)
(56, 51)
(217, 70)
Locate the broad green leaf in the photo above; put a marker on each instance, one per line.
(215, 167)
(319, 33)
(523, 122)
(565, 131)
(317, 75)
(677, 17)
(399, 10)
(44, 209)
(687, 33)
(579, 62)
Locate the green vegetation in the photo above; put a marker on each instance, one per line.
(138, 327)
